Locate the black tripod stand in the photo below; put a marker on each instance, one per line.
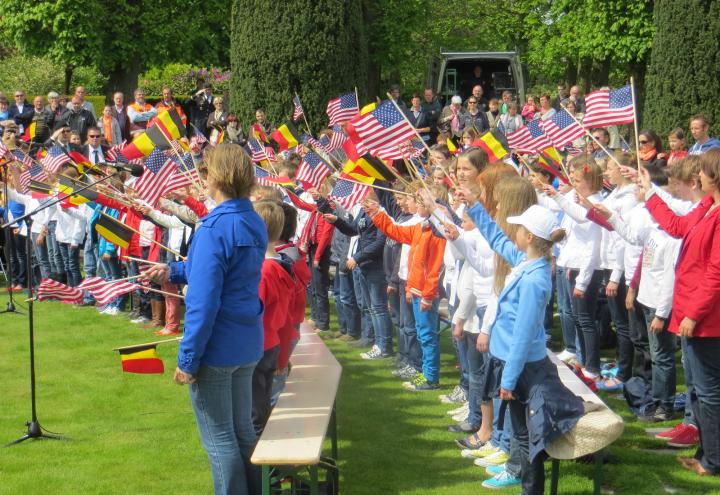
(34, 430)
(10, 252)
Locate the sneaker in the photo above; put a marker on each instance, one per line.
(495, 459)
(409, 373)
(140, 320)
(462, 409)
(373, 353)
(689, 437)
(648, 416)
(566, 355)
(102, 309)
(420, 384)
(672, 433)
(463, 427)
(113, 311)
(662, 414)
(457, 396)
(486, 450)
(502, 480)
(463, 416)
(495, 470)
(399, 371)
(610, 372)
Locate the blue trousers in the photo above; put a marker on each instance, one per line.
(374, 290)
(349, 303)
(662, 353)
(367, 332)
(71, 259)
(408, 331)
(222, 401)
(564, 302)
(426, 323)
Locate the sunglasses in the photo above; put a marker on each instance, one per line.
(19, 96)
(644, 142)
(94, 136)
(472, 103)
(11, 131)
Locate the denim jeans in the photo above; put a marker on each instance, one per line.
(71, 258)
(564, 302)
(41, 255)
(222, 401)
(339, 309)
(349, 303)
(90, 257)
(373, 284)
(475, 360)
(662, 353)
(367, 333)
(702, 354)
(426, 323)
(113, 271)
(584, 316)
(408, 331)
(461, 350)
(57, 264)
(689, 418)
(619, 315)
(16, 251)
(319, 286)
(642, 364)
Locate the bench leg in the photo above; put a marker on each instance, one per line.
(599, 458)
(265, 480)
(314, 487)
(333, 433)
(554, 477)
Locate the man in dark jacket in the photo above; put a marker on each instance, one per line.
(366, 262)
(21, 111)
(432, 108)
(44, 121)
(78, 118)
(203, 105)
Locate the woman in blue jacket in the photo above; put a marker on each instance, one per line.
(524, 375)
(223, 337)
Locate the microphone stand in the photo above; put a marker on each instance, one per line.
(10, 251)
(34, 430)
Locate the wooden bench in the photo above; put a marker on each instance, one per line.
(576, 385)
(292, 441)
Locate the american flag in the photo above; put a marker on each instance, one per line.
(313, 170)
(51, 290)
(342, 108)
(562, 129)
(23, 157)
(338, 138)
(298, 112)
(185, 175)
(529, 138)
(33, 172)
(91, 283)
(573, 151)
(261, 176)
(407, 150)
(55, 159)
(347, 193)
(609, 107)
(3, 150)
(197, 141)
(159, 169)
(260, 152)
(383, 128)
(113, 154)
(311, 142)
(107, 291)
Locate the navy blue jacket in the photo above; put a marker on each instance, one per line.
(25, 118)
(370, 246)
(223, 319)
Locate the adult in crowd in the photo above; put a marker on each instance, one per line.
(94, 150)
(140, 112)
(21, 111)
(262, 120)
(474, 118)
(223, 337)
(546, 110)
(109, 126)
(217, 120)
(418, 118)
(44, 120)
(451, 118)
(86, 104)
(477, 93)
(577, 99)
(54, 105)
(168, 102)
(477, 78)
(77, 118)
(432, 108)
(233, 132)
(395, 96)
(562, 95)
(202, 107)
(598, 147)
(651, 148)
(700, 129)
(121, 115)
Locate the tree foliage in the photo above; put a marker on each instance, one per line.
(317, 49)
(683, 72)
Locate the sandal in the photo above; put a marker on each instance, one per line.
(464, 443)
(610, 385)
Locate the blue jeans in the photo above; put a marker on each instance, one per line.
(689, 418)
(461, 350)
(90, 257)
(41, 255)
(584, 316)
(339, 309)
(71, 258)
(319, 286)
(16, 251)
(408, 331)
(348, 303)
(564, 302)
(222, 401)
(112, 271)
(662, 352)
(367, 332)
(57, 264)
(475, 360)
(702, 356)
(619, 314)
(426, 323)
(374, 287)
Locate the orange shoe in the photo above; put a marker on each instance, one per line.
(166, 332)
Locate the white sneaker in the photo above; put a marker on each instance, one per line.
(140, 320)
(484, 451)
(373, 353)
(457, 396)
(565, 355)
(464, 408)
(460, 417)
(492, 460)
(111, 311)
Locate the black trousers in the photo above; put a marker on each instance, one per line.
(262, 381)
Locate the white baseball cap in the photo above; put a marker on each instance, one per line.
(538, 220)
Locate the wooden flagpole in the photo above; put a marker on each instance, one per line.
(167, 341)
(307, 126)
(142, 287)
(635, 122)
(139, 260)
(591, 136)
(377, 187)
(186, 174)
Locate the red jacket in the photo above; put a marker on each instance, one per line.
(274, 283)
(196, 206)
(697, 272)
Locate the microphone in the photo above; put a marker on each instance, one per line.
(134, 170)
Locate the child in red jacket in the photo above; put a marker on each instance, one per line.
(275, 279)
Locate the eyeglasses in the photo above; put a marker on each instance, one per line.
(472, 103)
(94, 136)
(644, 142)
(11, 131)
(20, 96)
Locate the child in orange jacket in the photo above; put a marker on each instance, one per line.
(425, 262)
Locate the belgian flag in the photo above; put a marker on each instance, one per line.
(30, 132)
(82, 163)
(113, 230)
(143, 144)
(367, 169)
(170, 123)
(286, 136)
(492, 143)
(549, 158)
(141, 359)
(39, 190)
(259, 134)
(67, 186)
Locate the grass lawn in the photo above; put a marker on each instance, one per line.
(133, 434)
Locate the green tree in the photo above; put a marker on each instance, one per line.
(317, 49)
(683, 71)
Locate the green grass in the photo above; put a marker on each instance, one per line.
(133, 434)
